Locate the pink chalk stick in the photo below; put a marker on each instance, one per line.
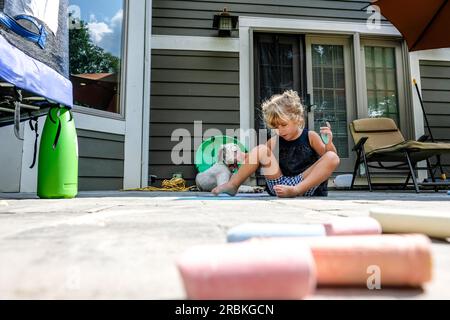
(399, 260)
(255, 271)
(352, 226)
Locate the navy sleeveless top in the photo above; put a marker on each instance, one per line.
(297, 156)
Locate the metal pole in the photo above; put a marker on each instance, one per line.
(423, 110)
(6, 110)
(443, 175)
(27, 106)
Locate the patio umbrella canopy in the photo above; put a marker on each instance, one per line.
(425, 24)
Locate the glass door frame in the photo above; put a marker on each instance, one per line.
(347, 164)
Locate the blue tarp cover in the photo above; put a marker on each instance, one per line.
(23, 63)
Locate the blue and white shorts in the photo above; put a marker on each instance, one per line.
(288, 181)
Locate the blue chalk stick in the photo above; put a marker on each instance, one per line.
(240, 196)
(259, 230)
(207, 198)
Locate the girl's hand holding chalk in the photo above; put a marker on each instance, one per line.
(326, 134)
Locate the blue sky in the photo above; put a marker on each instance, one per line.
(104, 18)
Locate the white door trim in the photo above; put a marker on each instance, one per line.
(192, 43)
(135, 63)
(147, 94)
(317, 26)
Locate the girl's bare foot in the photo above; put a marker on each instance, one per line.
(283, 191)
(227, 188)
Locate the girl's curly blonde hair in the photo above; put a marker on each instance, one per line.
(283, 107)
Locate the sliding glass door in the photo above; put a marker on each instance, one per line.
(279, 66)
(322, 69)
(330, 75)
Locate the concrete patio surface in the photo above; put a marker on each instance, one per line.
(122, 245)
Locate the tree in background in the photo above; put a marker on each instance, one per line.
(86, 57)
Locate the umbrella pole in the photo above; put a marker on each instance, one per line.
(443, 175)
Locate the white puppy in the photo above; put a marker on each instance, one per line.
(229, 156)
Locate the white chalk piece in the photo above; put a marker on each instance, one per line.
(433, 224)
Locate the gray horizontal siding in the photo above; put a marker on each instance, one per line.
(192, 60)
(199, 103)
(189, 86)
(194, 17)
(435, 78)
(166, 129)
(101, 161)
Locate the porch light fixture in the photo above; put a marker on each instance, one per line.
(225, 23)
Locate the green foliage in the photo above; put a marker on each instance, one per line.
(86, 57)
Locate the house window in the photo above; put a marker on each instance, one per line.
(96, 41)
(385, 82)
(381, 81)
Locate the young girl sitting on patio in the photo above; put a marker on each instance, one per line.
(304, 162)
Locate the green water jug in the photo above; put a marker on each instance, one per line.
(58, 157)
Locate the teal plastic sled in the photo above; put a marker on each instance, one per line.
(207, 155)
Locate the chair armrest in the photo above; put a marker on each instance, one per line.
(423, 138)
(360, 143)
